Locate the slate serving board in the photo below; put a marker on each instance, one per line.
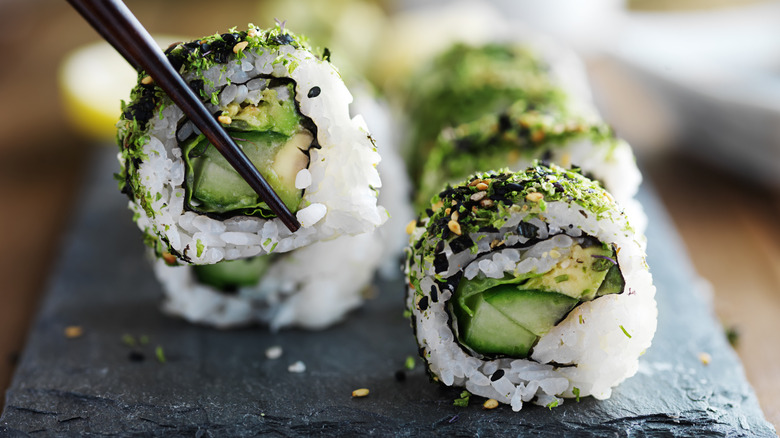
(219, 383)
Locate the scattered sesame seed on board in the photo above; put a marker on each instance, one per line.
(73, 331)
(490, 403)
(297, 367)
(362, 392)
(274, 352)
(705, 358)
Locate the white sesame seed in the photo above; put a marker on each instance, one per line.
(274, 352)
(297, 367)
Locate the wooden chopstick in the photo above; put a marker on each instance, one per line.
(117, 25)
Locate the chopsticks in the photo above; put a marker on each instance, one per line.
(117, 25)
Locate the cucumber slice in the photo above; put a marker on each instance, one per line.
(613, 283)
(536, 311)
(232, 274)
(489, 331)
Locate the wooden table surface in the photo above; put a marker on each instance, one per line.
(42, 161)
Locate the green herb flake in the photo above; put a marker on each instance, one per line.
(199, 247)
(463, 401)
(625, 332)
(143, 340)
(160, 354)
(409, 363)
(562, 278)
(576, 392)
(128, 340)
(552, 404)
(407, 314)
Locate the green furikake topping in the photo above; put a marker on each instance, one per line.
(160, 354)
(487, 200)
(463, 400)
(521, 133)
(465, 83)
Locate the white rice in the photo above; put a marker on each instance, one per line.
(311, 287)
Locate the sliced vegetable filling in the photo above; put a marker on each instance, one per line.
(230, 275)
(507, 316)
(272, 135)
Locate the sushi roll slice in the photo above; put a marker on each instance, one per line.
(529, 287)
(311, 287)
(465, 83)
(525, 132)
(289, 111)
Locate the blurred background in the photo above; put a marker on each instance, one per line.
(693, 85)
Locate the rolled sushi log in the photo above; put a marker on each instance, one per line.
(289, 111)
(526, 132)
(529, 287)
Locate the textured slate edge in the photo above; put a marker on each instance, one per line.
(206, 389)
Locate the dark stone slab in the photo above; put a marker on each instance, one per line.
(219, 383)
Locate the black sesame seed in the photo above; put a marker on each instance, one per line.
(497, 375)
(326, 54)
(461, 243)
(440, 263)
(439, 247)
(504, 123)
(400, 375)
(423, 304)
(282, 39)
(527, 230)
(228, 38)
(434, 294)
(585, 215)
(136, 356)
(314, 92)
(205, 48)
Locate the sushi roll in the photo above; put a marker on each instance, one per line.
(465, 83)
(529, 287)
(289, 111)
(525, 132)
(311, 287)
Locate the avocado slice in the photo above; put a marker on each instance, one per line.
(486, 330)
(536, 311)
(232, 274)
(578, 276)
